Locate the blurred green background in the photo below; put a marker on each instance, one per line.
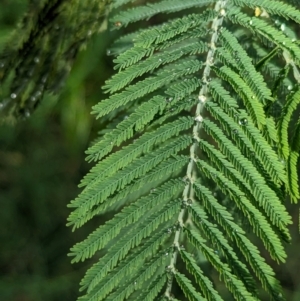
(41, 163)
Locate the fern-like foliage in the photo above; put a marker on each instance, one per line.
(202, 161)
(41, 51)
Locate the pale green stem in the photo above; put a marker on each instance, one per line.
(188, 193)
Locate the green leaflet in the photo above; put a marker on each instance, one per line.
(254, 216)
(187, 287)
(126, 128)
(128, 216)
(250, 252)
(292, 166)
(165, 32)
(234, 285)
(148, 85)
(142, 145)
(250, 175)
(249, 140)
(99, 193)
(253, 78)
(282, 9)
(121, 79)
(267, 31)
(290, 107)
(154, 289)
(222, 244)
(204, 283)
(251, 102)
(135, 54)
(161, 172)
(97, 272)
(202, 138)
(144, 230)
(231, 173)
(146, 273)
(149, 10)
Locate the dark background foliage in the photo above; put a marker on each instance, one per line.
(41, 163)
